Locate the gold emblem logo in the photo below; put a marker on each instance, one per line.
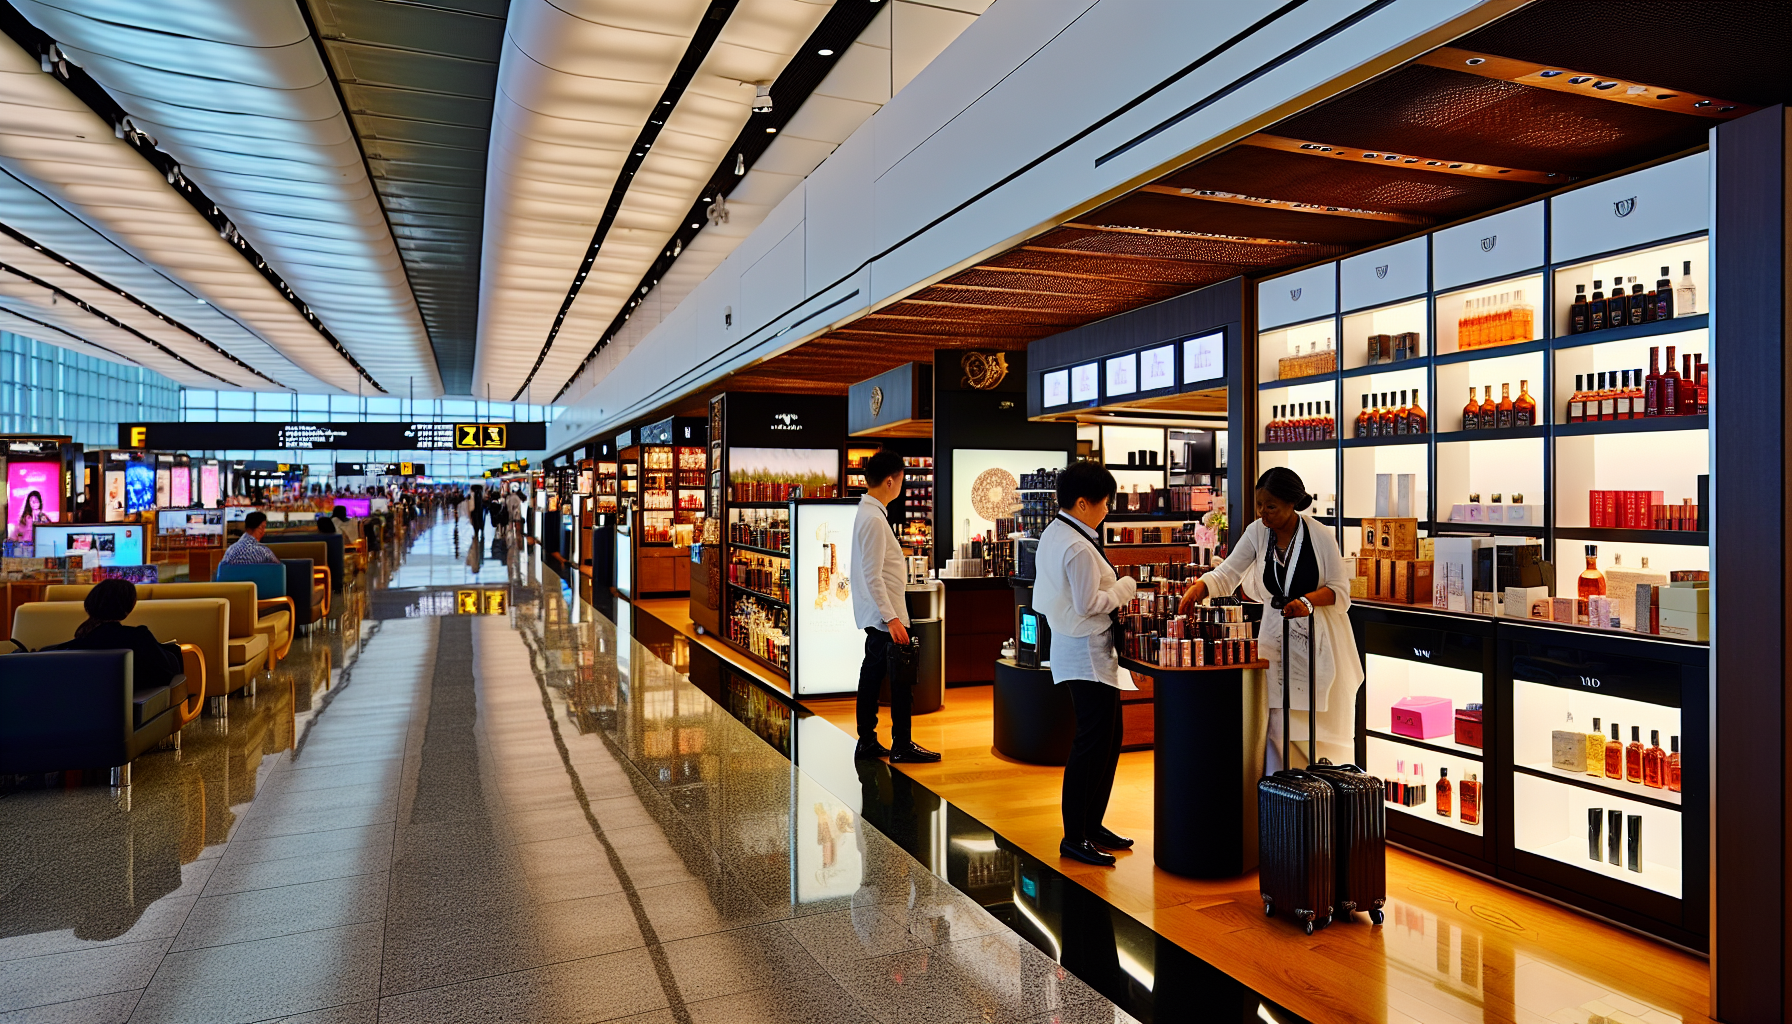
(877, 400)
(984, 371)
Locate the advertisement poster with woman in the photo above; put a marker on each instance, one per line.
(33, 497)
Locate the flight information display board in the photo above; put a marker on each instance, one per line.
(324, 436)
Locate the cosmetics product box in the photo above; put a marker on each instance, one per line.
(1412, 582)
(1646, 609)
(1567, 750)
(1561, 609)
(1695, 600)
(1359, 588)
(1519, 601)
(1422, 718)
(1683, 625)
(1391, 537)
(1524, 515)
(1493, 514)
(1468, 726)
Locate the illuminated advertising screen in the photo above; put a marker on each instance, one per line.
(164, 484)
(358, 508)
(826, 643)
(33, 497)
(180, 489)
(208, 485)
(193, 523)
(139, 487)
(114, 495)
(96, 544)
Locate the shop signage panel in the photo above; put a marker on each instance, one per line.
(1481, 250)
(1204, 358)
(335, 436)
(1055, 388)
(1123, 375)
(1574, 667)
(1305, 295)
(1664, 201)
(826, 644)
(1085, 382)
(1157, 368)
(1383, 276)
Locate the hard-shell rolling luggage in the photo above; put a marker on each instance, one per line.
(1296, 820)
(1361, 834)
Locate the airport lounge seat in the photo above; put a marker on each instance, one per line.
(258, 637)
(62, 710)
(232, 661)
(317, 555)
(277, 614)
(335, 550)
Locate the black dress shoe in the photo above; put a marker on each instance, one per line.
(914, 753)
(1107, 840)
(1086, 852)
(869, 750)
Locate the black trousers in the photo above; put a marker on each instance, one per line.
(1094, 755)
(871, 678)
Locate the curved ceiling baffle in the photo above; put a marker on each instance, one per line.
(239, 96)
(54, 146)
(417, 82)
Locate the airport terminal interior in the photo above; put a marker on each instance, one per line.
(447, 447)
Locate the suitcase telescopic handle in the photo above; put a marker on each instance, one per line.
(1288, 699)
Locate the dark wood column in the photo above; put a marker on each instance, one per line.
(1749, 812)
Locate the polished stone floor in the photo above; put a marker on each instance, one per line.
(470, 797)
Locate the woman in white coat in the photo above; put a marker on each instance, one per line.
(1291, 563)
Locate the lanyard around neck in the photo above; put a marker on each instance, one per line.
(1288, 567)
(1081, 531)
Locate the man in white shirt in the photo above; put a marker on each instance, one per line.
(1078, 592)
(880, 608)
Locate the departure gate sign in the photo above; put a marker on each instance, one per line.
(334, 436)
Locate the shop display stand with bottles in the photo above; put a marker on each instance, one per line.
(1570, 432)
(1155, 515)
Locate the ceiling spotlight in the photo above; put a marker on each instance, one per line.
(740, 163)
(771, 131)
(1472, 61)
(825, 53)
(696, 226)
(762, 98)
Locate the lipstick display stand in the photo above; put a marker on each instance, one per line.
(1205, 780)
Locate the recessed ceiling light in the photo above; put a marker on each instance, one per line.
(825, 53)
(771, 131)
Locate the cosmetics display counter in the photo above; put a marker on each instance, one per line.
(1586, 425)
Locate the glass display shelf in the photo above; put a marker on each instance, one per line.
(1665, 798)
(1379, 442)
(1298, 352)
(763, 596)
(1490, 315)
(1653, 329)
(1423, 766)
(1394, 329)
(1551, 820)
(774, 552)
(1493, 352)
(1648, 425)
(1643, 267)
(1509, 434)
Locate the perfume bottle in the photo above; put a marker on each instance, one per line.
(1673, 765)
(1595, 832)
(1685, 294)
(1524, 410)
(1577, 312)
(1634, 843)
(1470, 798)
(1633, 756)
(1614, 755)
(1595, 750)
(1664, 299)
(1655, 762)
(1614, 837)
(1592, 581)
(1443, 792)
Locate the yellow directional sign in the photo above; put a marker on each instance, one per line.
(466, 602)
(494, 602)
(481, 435)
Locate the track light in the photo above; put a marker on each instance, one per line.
(762, 98)
(740, 164)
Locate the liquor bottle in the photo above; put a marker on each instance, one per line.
(1524, 318)
(1596, 308)
(1652, 384)
(1704, 407)
(1471, 413)
(1689, 388)
(1505, 407)
(1465, 327)
(1577, 402)
(1633, 756)
(1649, 306)
(1622, 396)
(1400, 416)
(1490, 413)
(1655, 762)
(1614, 756)
(1416, 420)
(1388, 417)
(1670, 387)
(1637, 398)
(1664, 299)
(1608, 395)
(1685, 293)
(1592, 581)
(1471, 800)
(1577, 312)
(1638, 303)
(1524, 410)
(1443, 792)
(1331, 422)
(1596, 750)
(1673, 765)
(1362, 419)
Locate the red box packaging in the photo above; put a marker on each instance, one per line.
(1468, 726)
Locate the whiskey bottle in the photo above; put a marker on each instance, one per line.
(1387, 415)
(1471, 413)
(1652, 384)
(1670, 387)
(1443, 792)
(1704, 407)
(1636, 393)
(1673, 765)
(1416, 420)
(1689, 388)
(1471, 800)
(1524, 409)
(1596, 308)
(1577, 312)
(1614, 756)
(1608, 395)
(1633, 756)
(1592, 581)
(1505, 407)
(1577, 402)
(1637, 304)
(1622, 396)
(1523, 317)
(1664, 299)
(1362, 419)
(1595, 750)
(1655, 762)
(1330, 422)
(1400, 416)
(1490, 413)
(1649, 306)
(1685, 293)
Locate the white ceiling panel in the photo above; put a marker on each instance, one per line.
(234, 90)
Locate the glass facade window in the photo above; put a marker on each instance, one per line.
(47, 389)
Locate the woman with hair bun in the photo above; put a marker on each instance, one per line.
(1291, 562)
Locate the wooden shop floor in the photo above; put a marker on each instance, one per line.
(1455, 947)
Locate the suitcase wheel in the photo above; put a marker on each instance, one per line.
(1375, 916)
(1309, 927)
(1327, 922)
(1269, 910)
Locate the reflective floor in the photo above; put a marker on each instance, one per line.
(464, 799)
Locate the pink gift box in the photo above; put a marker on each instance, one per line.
(1423, 718)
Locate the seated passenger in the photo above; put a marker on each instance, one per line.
(108, 604)
(249, 550)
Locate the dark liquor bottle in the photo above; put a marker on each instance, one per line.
(1400, 416)
(1704, 388)
(1330, 422)
(1416, 420)
(1524, 410)
(1388, 415)
(1652, 384)
(1664, 298)
(1670, 387)
(1362, 419)
(1505, 407)
(1596, 308)
(1577, 402)
(1471, 413)
(1577, 313)
(1638, 303)
(1442, 799)
(1689, 388)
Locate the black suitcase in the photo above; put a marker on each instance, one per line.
(1361, 833)
(1296, 819)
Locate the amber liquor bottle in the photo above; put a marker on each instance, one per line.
(1633, 756)
(1655, 761)
(1400, 416)
(1577, 313)
(1577, 402)
(1470, 799)
(1596, 308)
(1490, 413)
(1362, 419)
(1673, 764)
(1504, 409)
(1471, 413)
(1388, 417)
(1652, 384)
(1608, 395)
(1592, 581)
(1670, 387)
(1621, 396)
(1524, 409)
(1636, 394)
(1416, 420)
(1614, 755)
(1442, 798)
